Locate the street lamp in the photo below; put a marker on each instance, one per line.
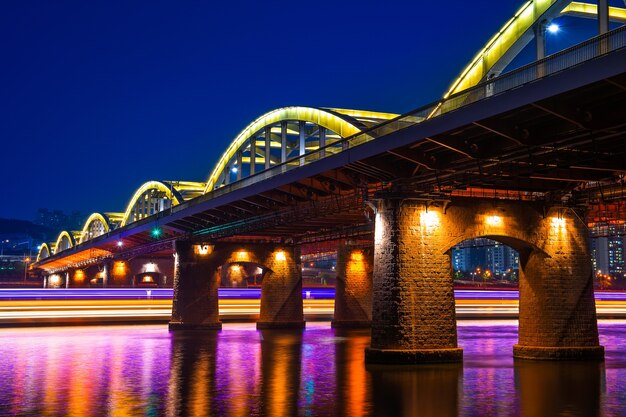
(2, 246)
(553, 28)
(26, 261)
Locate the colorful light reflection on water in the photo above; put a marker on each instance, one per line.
(144, 370)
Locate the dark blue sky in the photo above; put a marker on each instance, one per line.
(99, 97)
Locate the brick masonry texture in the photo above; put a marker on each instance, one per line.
(353, 289)
(413, 305)
(197, 280)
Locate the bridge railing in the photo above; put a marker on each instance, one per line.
(577, 54)
(585, 51)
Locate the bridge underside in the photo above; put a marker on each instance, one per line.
(564, 149)
(561, 150)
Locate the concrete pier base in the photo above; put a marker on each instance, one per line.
(564, 353)
(173, 326)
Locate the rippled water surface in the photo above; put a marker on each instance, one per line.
(145, 370)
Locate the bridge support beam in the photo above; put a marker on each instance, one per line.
(353, 288)
(281, 292)
(603, 16)
(413, 319)
(195, 304)
(107, 268)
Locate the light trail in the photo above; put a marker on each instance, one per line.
(70, 306)
(238, 293)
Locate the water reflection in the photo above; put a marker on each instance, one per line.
(424, 390)
(559, 388)
(144, 370)
(280, 369)
(192, 379)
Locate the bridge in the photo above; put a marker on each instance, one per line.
(518, 157)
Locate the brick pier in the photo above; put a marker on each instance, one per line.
(413, 317)
(353, 288)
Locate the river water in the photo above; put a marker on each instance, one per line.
(145, 370)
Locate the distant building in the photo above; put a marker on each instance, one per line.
(607, 254)
(58, 220)
(460, 258)
(485, 254)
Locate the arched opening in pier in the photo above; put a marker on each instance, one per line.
(242, 275)
(485, 263)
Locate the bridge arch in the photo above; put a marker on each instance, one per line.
(96, 225)
(155, 196)
(150, 198)
(201, 265)
(515, 34)
(45, 251)
(556, 305)
(242, 274)
(65, 241)
(285, 133)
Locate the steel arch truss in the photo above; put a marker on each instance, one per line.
(45, 251)
(516, 33)
(283, 135)
(98, 224)
(155, 196)
(66, 240)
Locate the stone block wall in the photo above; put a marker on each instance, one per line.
(413, 306)
(195, 304)
(413, 317)
(197, 280)
(353, 288)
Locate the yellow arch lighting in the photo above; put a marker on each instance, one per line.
(590, 11)
(69, 236)
(365, 114)
(94, 217)
(307, 114)
(170, 191)
(47, 248)
(503, 42)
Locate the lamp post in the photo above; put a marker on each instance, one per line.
(2, 246)
(26, 261)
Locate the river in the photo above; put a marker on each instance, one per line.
(145, 370)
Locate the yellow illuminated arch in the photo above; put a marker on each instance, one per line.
(329, 120)
(507, 42)
(94, 217)
(47, 248)
(170, 191)
(69, 236)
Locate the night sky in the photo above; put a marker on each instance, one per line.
(99, 97)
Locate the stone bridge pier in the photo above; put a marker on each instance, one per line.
(413, 317)
(353, 288)
(197, 278)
